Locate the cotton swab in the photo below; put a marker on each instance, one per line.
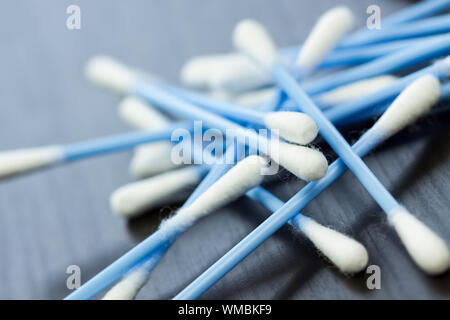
(416, 100)
(239, 179)
(433, 263)
(322, 38)
(305, 163)
(441, 69)
(19, 161)
(148, 159)
(134, 198)
(379, 109)
(428, 49)
(354, 90)
(295, 127)
(235, 74)
(135, 279)
(344, 252)
(347, 110)
(343, 94)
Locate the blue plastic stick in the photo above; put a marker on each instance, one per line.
(347, 110)
(119, 142)
(422, 52)
(413, 12)
(357, 55)
(416, 11)
(426, 27)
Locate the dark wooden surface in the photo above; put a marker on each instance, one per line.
(59, 217)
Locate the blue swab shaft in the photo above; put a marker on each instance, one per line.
(422, 52)
(378, 109)
(344, 111)
(420, 28)
(125, 141)
(357, 55)
(413, 12)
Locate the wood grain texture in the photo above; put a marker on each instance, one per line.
(58, 217)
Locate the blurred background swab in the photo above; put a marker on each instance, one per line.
(165, 188)
(243, 176)
(235, 73)
(415, 101)
(440, 69)
(330, 98)
(395, 61)
(148, 159)
(430, 253)
(375, 111)
(354, 90)
(197, 71)
(305, 163)
(14, 162)
(420, 52)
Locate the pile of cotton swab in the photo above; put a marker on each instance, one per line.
(263, 104)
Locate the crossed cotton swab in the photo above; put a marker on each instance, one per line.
(19, 161)
(413, 102)
(407, 227)
(305, 163)
(346, 253)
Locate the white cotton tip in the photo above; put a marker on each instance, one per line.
(245, 175)
(196, 72)
(251, 38)
(414, 101)
(237, 73)
(355, 90)
(140, 115)
(292, 126)
(129, 286)
(425, 247)
(306, 163)
(151, 159)
(109, 73)
(255, 98)
(327, 32)
(347, 254)
(23, 160)
(134, 198)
